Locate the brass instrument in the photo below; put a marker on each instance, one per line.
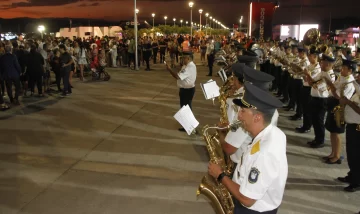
(338, 63)
(339, 110)
(311, 37)
(210, 187)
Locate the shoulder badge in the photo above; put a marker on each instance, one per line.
(253, 175)
(255, 148)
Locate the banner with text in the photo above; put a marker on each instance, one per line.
(261, 14)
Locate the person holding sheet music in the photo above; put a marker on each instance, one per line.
(186, 78)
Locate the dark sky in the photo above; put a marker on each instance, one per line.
(226, 11)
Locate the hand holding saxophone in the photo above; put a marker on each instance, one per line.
(214, 170)
(344, 101)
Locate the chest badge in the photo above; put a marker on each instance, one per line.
(253, 175)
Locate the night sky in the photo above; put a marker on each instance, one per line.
(226, 11)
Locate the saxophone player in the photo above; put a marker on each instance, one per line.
(232, 142)
(352, 119)
(259, 179)
(310, 72)
(343, 87)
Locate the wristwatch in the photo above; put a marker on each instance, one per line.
(221, 176)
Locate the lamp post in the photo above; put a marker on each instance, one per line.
(191, 4)
(41, 29)
(174, 21)
(153, 15)
(165, 17)
(186, 23)
(200, 11)
(181, 21)
(206, 15)
(240, 23)
(135, 34)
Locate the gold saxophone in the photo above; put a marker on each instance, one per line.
(210, 187)
(339, 110)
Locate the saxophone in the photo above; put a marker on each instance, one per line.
(210, 187)
(339, 110)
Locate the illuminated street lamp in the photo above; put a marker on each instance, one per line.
(174, 21)
(187, 23)
(136, 35)
(181, 21)
(200, 11)
(191, 4)
(165, 17)
(153, 15)
(41, 29)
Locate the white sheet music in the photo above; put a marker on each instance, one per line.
(187, 119)
(222, 75)
(210, 89)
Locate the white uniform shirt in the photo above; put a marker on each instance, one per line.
(231, 109)
(304, 63)
(187, 76)
(314, 70)
(351, 117)
(263, 169)
(349, 88)
(321, 89)
(239, 138)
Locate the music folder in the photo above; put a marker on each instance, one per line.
(210, 89)
(186, 119)
(222, 75)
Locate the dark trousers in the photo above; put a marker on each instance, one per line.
(273, 73)
(278, 73)
(39, 82)
(318, 109)
(186, 95)
(290, 91)
(285, 78)
(162, 56)
(131, 59)
(67, 88)
(147, 60)
(353, 151)
(155, 52)
(297, 87)
(240, 209)
(58, 79)
(2, 85)
(266, 66)
(9, 84)
(210, 70)
(306, 103)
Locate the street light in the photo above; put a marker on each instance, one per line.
(41, 29)
(206, 15)
(135, 34)
(240, 23)
(187, 23)
(153, 15)
(191, 4)
(174, 21)
(181, 21)
(165, 17)
(200, 11)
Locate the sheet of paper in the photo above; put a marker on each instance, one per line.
(186, 119)
(210, 90)
(222, 75)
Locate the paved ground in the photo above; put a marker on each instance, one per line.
(113, 147)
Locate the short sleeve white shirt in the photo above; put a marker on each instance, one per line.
(344, 83)
(314, 70)
(263, 169)
(321, 89)
(351, 117)
(187, 76)
(239, 138)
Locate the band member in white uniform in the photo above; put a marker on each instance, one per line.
(233, 141)
(352, 119)
(312, 71)
(259, 179)
(343, 87)
(319, 95)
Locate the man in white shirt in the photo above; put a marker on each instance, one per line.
(319, 94)
(186, 78)
(259, 179)
(352, 119)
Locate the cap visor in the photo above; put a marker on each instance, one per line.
(239, 102)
